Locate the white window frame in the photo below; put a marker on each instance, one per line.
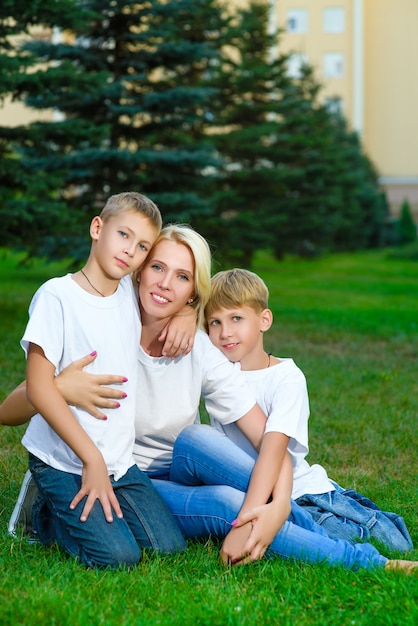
(333, 20)
(335, 105)
(297, 21)
(333, 65)
(295, 63)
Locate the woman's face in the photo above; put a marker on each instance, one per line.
(166, 279)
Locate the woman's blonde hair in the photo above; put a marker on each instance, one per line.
(234, 288)
(199, 247)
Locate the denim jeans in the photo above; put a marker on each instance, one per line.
(207, 511)
(345, 514)
(146, 521)
(203, 455)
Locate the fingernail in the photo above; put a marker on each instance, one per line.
(93, 353)
(117, 405)
(125, 380)
(234, 523)
(104, 418)
(125, 395)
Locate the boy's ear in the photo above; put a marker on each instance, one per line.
(266, 320)
(95, 227)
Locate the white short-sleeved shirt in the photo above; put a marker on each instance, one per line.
(281, 393)
(168, 397)
(68, 323)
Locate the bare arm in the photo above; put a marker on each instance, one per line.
(79, 388)
(253, 425)
(258, 522)
(16, 408)
(46, 398)
(266, 470)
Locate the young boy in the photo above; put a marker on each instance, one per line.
(83, 467)
(237, 316)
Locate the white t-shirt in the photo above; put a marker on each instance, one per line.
(68, 323)
(168, 397)
(281, 393)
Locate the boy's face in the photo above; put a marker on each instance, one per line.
(122, 242)
(236, 332)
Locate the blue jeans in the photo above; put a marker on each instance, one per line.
(146, 521)
(346, 514)
(208, 510)
(203, 455)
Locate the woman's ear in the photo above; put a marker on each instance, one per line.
(266, 320)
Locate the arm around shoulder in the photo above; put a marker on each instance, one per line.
(16, 408)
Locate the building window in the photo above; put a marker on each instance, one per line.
(334, 105)
(295, 63)
(297, 21)
(333, 65)
(334, 20)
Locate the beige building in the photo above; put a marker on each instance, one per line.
(365, 53)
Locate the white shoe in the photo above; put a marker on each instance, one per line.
(20, 522)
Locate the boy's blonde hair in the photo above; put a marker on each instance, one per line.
(199, 247)
(132, 201)
(234, 288)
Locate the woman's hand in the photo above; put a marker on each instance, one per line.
(265, 522)
(89, 391)
(234, 545)
(178, 335)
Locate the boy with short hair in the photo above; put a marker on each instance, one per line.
(82, 466)
(237, 316)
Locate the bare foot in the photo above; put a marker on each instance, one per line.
(406, 566)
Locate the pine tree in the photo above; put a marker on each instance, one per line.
(406, 227)
(184, 101)
(295, 179)
(124, 81)
(20, 210)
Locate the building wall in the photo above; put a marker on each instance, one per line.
(378, 85)
(315, 44)
(391, 101)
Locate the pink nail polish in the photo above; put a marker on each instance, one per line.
(234, 523)
(125, 380)
(104, 418)
(93, 353)
(117, 405)
(125, 395)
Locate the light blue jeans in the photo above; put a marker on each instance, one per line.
(146, 521)
(346, 514)
(208, 510)
(203, 455)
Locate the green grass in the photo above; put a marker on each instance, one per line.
(350, 322)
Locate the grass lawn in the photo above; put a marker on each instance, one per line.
(351, 323)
